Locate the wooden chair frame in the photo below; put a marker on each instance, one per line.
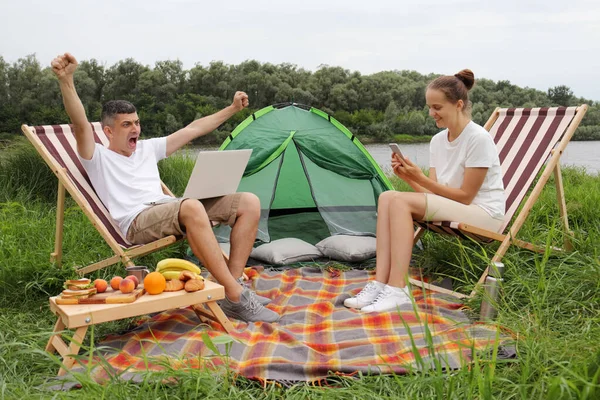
(80, 317)
(552, 167)
(121, 254)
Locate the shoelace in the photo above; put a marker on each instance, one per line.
(253, 305)
(367, 289)
(382, 295)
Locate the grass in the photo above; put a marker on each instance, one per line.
(404, 138)
(550, 301)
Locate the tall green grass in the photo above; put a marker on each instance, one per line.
(550, 301)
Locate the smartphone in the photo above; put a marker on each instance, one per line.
(396, 149)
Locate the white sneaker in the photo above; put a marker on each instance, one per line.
(365, 296)
(389, 299)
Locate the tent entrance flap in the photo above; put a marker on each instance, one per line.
(347, 205)
(293, 190)
(293, 204)
(314, 179)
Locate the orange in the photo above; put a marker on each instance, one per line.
(155, 283)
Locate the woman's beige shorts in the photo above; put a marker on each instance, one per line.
(438, 208)
(161, 220)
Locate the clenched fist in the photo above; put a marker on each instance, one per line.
(64, 65)
(240, 101)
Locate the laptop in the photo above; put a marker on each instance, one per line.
(216, 173)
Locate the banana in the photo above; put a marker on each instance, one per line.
(173, 269)
(176, 264)
(170, 275)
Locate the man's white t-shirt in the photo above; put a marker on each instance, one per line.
(473, 148)
(124, 183)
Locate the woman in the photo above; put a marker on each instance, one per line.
(464, 184)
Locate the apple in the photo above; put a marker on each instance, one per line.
(126, 285)
(101, 285)
(115, 281)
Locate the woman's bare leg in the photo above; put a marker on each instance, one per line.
(395, 232)
(403, 209)
(383, 261)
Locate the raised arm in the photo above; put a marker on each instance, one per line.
(64, 66)
(202, 126)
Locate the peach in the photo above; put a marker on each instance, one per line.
(126, 285)
(134, 279)
(115, 281)
(101, 285)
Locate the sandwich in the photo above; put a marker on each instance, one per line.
(78, 284)
(78, 289)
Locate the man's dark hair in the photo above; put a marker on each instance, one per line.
(114, 107)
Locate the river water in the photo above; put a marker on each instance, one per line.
(581, 154)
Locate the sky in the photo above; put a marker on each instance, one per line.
(537, 44)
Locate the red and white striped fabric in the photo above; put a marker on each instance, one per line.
(60, 143)
(524, 138)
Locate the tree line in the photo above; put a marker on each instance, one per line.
(374, 107)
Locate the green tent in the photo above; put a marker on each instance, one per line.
(312, 175)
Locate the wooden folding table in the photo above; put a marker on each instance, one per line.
(81, 316)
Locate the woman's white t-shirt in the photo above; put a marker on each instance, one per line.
(124, 183)
(473, 148)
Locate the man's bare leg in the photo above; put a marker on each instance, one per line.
(243, 233)
(203, 243)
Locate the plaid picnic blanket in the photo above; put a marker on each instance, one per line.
(316, 337)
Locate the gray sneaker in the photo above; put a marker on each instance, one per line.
(248, 309)
(261, 299)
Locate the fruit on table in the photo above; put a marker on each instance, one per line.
(115, 282)
(178, 275)
(155, 283)
(101, 285)
(176, 264)
(126, 285)
(134, 279)
(171, 275)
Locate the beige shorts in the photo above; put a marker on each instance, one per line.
(438, 208)
(161, 220)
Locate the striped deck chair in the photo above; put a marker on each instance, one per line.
(525, 139)
(56, 144)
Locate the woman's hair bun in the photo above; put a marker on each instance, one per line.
(467, 77)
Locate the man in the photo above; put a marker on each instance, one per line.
(125, 177)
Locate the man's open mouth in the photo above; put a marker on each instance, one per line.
(133, 141)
